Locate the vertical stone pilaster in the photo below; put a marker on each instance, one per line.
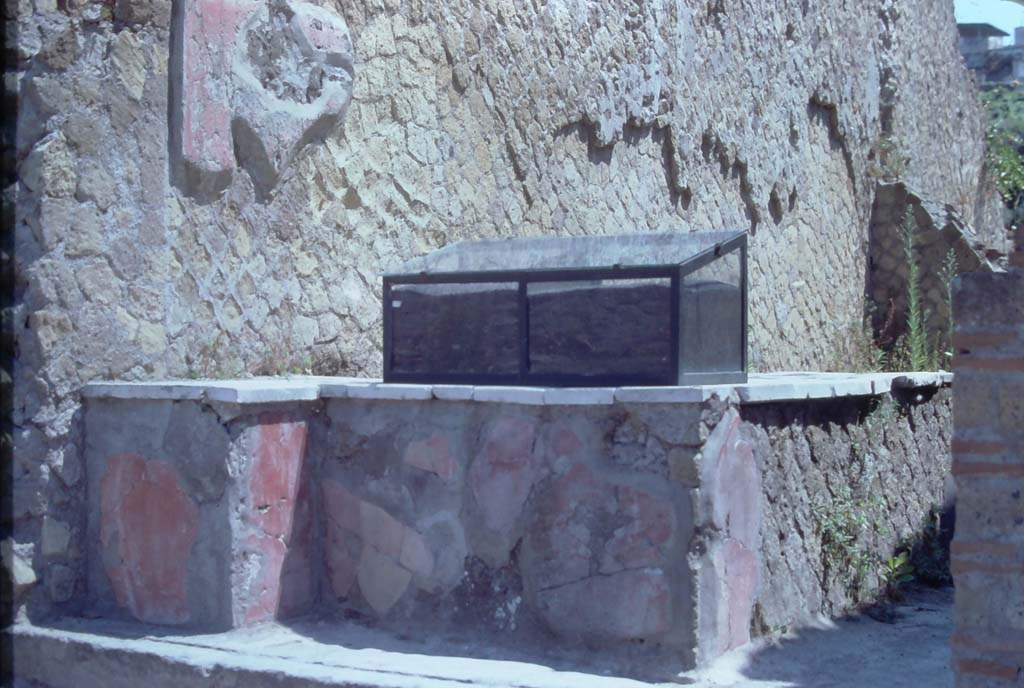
(988, 464)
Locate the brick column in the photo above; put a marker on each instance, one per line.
(988, 464)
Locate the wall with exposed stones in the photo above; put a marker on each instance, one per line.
(988, 465)
(535, 522)
(885, 461)
(183, 207)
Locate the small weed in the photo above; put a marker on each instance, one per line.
(843, 526)
(895, 573)
(928, 551)
(887, 161)
(916, 349)
(919, 355)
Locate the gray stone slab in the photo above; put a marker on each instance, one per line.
(760, 388)
(338, 389)
(914, 380)
(391, 392)
(98, 654)
(663, 395)
(240, 391)
(144, 390)
(579, 396)
(453, 392)
(510, 395)
(263, 391)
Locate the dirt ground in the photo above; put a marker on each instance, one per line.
(858, 652)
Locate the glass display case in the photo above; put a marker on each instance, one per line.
(593, 311)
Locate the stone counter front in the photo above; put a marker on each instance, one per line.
(644, 522)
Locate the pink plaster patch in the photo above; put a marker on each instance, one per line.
(147, 527)
(211, 30)
(735, 488)
(281, 518)
(354, 527)
(740, 566)
(731, 501)
(433, 455)
(565, 441)
(415, 555)
(504, 471)
(640, 540)
(277, 467)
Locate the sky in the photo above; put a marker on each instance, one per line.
(1001, 13)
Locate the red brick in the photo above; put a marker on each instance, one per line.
(962, 446)
(1000, 549)
(975, 666)
(972, 340)
(962, 566)
(964, 468)
(966, 361)
(1002, 640)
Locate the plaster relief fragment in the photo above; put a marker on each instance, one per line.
(258, 81)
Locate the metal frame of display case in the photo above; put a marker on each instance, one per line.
(672, 272)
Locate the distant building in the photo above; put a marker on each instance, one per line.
(983, 51)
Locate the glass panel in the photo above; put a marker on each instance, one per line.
(600, 327)
(455, 328)
(539, 253)
(711, 317)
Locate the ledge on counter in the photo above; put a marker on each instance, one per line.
(760, 388)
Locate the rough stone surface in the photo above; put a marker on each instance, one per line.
(939, 231)
(17, 560)
(278, 522)
(214, 530)
(148, 527)
(892, 461)
(663, 534)
(466, 120)
(287, 81)
(988, 465)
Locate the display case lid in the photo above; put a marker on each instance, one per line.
(569, 253)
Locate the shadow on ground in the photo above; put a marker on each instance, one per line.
(856, 652)
(912, 650)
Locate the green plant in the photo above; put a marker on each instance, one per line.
(896, 572)
(950, 267)
(887, 161)
(916, 348)
(844, 524)
(918, 352)
(1004, 143)
(928, 550)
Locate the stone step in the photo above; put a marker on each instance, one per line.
(100, 653)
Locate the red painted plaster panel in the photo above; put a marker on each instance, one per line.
(281, 519)
(504, 471)
(147, 527)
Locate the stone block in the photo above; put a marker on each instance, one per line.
(257, 107)
(433, 454)
(988, 547)
(590, 535)
(200, 523)
(371, 552)
(17, 559)
(55, 538)
(503, 472)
